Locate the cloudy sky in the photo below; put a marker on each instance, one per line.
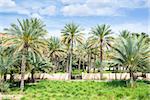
(120, 14)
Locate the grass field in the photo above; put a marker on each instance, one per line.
(85, 90)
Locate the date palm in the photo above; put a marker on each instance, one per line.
(71, 34)
(101, 36)
(133, 53)
(28, 37)
(80, 52)
(6, 61)
(55, 50)
(125, 33)
(38, 64)
(65, 48)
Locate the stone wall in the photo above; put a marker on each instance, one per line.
(85, 76)
(110, 76)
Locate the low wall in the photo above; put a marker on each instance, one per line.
(106, 76)
(85, 76)
(55, 76)
(110, 76)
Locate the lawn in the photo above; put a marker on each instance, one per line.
(85, 90)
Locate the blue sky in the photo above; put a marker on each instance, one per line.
(120, 14)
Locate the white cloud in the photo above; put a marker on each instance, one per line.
(100, 7)
(9, 6)
(132, 27)
(84, 10)
(119, 3)
(55, 33)
(50, 10)
(7, 3)
(72, 1)
(18, 10)
(72, 10)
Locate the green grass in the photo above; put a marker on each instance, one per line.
(85, 90)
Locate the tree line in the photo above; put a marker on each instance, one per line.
(28, 50)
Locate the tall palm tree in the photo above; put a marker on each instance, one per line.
(28, 35)
(133, 53)
(101, 36)
(71, 35)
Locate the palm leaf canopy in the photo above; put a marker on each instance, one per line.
(132, 52)
(28, 33)
(72, 31)
(100, 33)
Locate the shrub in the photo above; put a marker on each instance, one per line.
(4, 87)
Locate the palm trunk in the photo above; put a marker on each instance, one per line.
(101, 57)
(55, 68)
(32, 76)
(71, 54)
(115, 73)
(11, 76)
(83, 69)
(88, 63)
(131, 78)
(67, 65)
(5, 76)
(57, 63)
(79, 65)
(94, 61)
(23, 71)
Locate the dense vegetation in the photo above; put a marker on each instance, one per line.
(89, 90)
(26, 49)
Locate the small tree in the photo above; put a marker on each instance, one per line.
(133, 53)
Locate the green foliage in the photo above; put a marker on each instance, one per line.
(7, 60)
(83, 90)
(71, 32)
(76, 72)
(54, 47)
(30, 51)
(4, 87)
(28, 36)
(100, 35)
(132, 52)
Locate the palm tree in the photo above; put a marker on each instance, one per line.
(28, 35)
(80, 52)
(71, 35)
(125, 33)
(54, 50)
(101, 37)
(6, 61)
(38, 64)
(133, 53)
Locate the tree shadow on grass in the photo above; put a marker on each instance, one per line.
(143, 81)
(124, 83)
(15, 86)
(117, 83)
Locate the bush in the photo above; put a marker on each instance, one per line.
(4, 87)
